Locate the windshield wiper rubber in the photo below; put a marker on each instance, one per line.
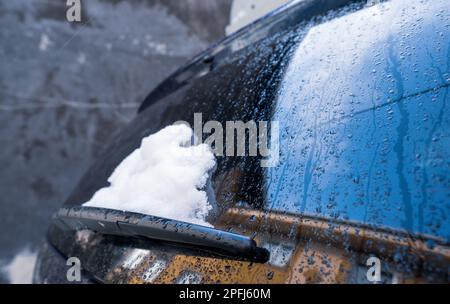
(123, 223)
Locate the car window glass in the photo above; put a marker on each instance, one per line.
(364, 119)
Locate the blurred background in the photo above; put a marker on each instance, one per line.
(66, 88)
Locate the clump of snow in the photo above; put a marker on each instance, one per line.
(163, 177)
(44, 43)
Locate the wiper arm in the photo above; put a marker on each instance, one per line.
(122, 223)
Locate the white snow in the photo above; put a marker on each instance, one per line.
(44, 42)
(158, 48)
(20, 269)
(163, 177)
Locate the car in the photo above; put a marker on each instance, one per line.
(359, 191)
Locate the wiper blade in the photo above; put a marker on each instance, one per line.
(123, 223)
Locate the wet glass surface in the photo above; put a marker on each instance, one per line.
(364, 114)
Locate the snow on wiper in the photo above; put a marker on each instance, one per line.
(123, 223)
(166, 176)
(158, 192)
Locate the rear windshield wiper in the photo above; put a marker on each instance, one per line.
(122, 223)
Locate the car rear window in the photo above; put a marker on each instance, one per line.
(364, 118)
(361, 98)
